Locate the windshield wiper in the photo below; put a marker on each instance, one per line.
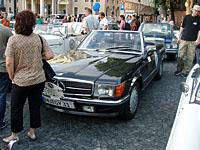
(125, 49)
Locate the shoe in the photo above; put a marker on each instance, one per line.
(3, 125)
(177, 73)
(31, 136)
(184, 75)
(11, 138)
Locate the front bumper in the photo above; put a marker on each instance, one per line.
(104, 108)
(171, 51)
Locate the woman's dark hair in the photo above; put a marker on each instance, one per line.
(25, 21)
(102, 14)
(122, 16)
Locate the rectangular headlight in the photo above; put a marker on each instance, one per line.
(104, 90)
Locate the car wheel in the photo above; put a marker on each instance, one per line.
(160, 71)
(132, 104)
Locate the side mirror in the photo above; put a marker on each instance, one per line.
(150, 49)
(184, 87)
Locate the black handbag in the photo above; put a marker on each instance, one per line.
(48, 70)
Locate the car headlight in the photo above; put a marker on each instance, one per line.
(174, 43)
(105, 90)
(168, 45)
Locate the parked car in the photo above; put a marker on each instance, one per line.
(185, 133)
(108, 81)
(164, 31)
(61, 38)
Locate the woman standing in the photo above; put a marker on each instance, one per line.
(24, 66)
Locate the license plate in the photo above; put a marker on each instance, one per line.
(65, 104)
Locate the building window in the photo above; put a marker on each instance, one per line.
(97, 0)
(10, 9)
(9, 1)
(86, 0)
(75, 0)
(75, 10)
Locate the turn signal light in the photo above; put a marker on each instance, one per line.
(119, 89)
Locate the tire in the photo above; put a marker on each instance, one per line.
(132, 104)
(160, 71)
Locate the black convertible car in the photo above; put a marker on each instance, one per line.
(108, 81)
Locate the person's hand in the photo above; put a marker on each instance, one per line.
(178, 41)
(197, 42)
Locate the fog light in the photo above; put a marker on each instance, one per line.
(88, 108)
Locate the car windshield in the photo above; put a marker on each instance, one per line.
(50, 29)
(112, 40)
(73, 27)
(156, 28)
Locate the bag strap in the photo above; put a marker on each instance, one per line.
(41, 43)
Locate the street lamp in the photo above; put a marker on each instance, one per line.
(139, 7)
(91, 3)
(15, 8)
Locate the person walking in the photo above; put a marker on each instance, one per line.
(25, 69)
(189, 37)
(134, 23)
(90, 22)
(5, 82)
(122, 22)
(103, 25)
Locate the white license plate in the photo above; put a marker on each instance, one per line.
(65, 104)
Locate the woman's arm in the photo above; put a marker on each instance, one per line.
(10, 67)
(48, 54)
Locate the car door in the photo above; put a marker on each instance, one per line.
(151, 60)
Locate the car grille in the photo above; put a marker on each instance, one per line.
(75, 88)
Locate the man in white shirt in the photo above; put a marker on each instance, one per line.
(103, 25)
(90, 22)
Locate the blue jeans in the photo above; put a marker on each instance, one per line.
(4, 86)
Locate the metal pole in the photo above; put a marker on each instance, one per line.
(92, 3)
(15, 8)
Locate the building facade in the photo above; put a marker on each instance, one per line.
(75, 7)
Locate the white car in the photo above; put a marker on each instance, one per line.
(185, 133)
(61, 38)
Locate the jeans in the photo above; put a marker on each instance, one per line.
(4, 86)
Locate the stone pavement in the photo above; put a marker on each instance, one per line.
(149, 130)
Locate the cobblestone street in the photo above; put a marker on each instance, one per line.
(149, 130)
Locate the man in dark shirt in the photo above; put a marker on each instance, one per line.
(189, 37)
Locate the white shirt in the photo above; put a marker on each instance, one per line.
(90, 22)
(103, 23)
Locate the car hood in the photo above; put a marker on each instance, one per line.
(102, 67)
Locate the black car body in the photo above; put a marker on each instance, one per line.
(118, 65)
(154, 31)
